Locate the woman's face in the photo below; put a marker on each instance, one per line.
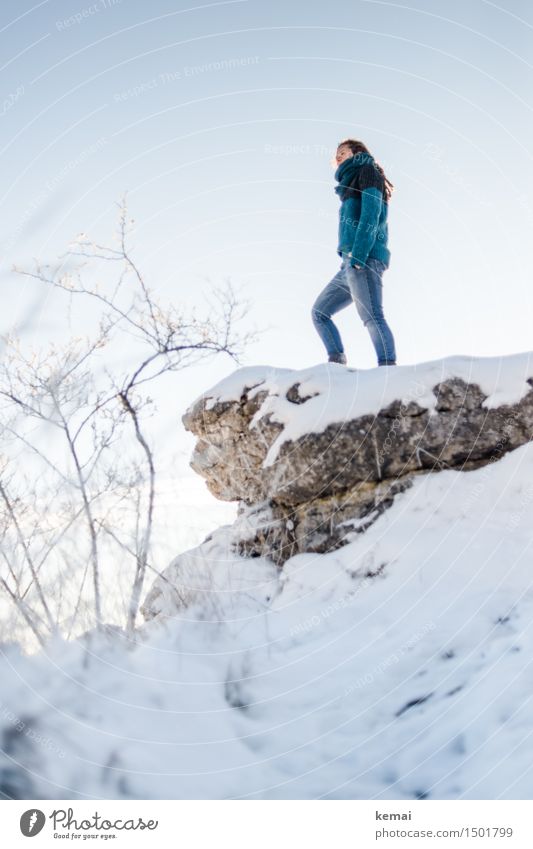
(343, 152)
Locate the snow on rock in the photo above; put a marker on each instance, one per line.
(336, 394)
(208, 573)
(328, 449)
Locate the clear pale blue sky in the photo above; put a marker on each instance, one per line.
(220, 120)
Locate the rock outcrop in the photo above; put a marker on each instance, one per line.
(316, 456)
(307, 674)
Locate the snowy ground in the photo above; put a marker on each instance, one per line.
(398, 667)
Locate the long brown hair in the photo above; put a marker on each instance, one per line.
(357, 146)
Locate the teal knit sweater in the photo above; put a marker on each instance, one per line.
(363, 229)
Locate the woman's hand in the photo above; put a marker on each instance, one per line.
(358, 267)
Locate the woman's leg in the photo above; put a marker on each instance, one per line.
(333, 298)
(367, 291)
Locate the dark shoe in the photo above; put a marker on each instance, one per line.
(392, 363)
(338, 358)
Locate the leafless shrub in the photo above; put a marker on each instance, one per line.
(78, 473)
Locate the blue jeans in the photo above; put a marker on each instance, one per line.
(364, 287)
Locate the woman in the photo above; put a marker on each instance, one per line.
(364, 192)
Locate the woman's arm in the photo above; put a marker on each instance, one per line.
(367, 229)
(371, 183)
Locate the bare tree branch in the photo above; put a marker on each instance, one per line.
(98, 463)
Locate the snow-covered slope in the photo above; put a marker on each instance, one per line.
(399, 666)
